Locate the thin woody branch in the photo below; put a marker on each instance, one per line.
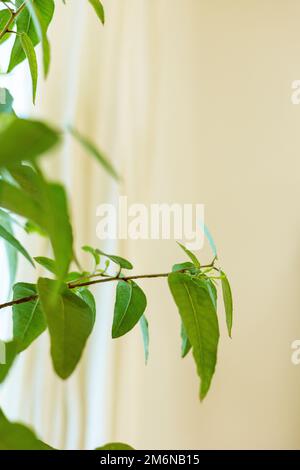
(102, 280)
(14, 15)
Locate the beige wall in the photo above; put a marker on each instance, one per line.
(223, 132)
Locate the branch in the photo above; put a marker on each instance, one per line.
(14, 15)
(102, 280)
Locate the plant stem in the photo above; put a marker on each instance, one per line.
(102, 280)
(14, 15)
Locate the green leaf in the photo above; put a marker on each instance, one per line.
(94, 152)
(115, 446)
(70, 322)
(28, 48)
(27, 24)
(98, 7)
(5, 16)
(55, 207)
(93, 252)
(145, 334)
(49, 213)
(15, 436)
(212, 291)
(47, 263)
(89, 299)
(10, 355)
(185, 344)
(24, 139)
(52, 213)
(5, 121)
(30, 228)
(7, 217)
(199, 317)
(28, 319)
(130, 305)
(28, 180)
(41, 29)
(228, 303)
(73, 276)
(9, 238)
(15, 200)
(122, 262)
(11, 253)
(190, 255)
(183, 266)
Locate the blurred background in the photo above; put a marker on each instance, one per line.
(191, 100)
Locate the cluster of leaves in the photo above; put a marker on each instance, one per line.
(195, 293)
(28, 21)
(62, 302)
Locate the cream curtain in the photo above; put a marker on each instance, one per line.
(191, 101)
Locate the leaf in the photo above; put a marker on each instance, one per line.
(212, 290)
(49, 213)
(115, 446)
(15, 200)
(89, 299)
(122, 262)
(70, 322)
(183, 266)
(41, 29)
(185, 345)
(130, 305)
(25, 23)
(28, 180)
(47, 263)
(31, 56)
(94, 152)
(52, 213)
(98, 7)
(228, 303)
(5, 16)
(15, 436)
(145, 334)
(10, 355)
(73, 276)
(93, 252)
(5, 121)
(190, 255)
(9, 238)
(24, 139)
(199, 317)
(28, 319)
(54, 203)
(7, 217)
(30, 227)
(11, 253)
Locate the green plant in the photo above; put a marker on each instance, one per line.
(62, 303)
